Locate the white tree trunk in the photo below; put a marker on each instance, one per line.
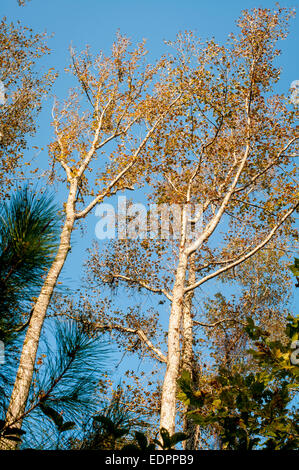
(187, 361)
(168, 399)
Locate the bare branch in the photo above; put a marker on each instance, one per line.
(142, 336)
(143, 284)
(93, 203)
(273, 162)
(218, 322)
(247, 256)
(215, 220)
(94, 145)
(61, 161)
(77, 73)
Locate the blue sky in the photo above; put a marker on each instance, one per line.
(95, 22)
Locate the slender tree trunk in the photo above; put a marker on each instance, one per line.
(24, 375)
(187, 362)
(168, 399)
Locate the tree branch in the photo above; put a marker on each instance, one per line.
(218, 322)
(142, 336)
(93, 203)
(281, 153)
(247, 256)
(143, 284)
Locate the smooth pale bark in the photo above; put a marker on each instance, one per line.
(19, 397)
(168, 399)
(187, 361)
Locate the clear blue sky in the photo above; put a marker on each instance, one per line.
(95, 22)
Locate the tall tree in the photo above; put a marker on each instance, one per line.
(229, 148)
(122, 94)
(234, 162)
(29, 228)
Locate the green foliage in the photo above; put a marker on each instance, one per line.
(113, 427)
(276, 355)
(110, 428)
(141, 443)
(69, 376)
(295, 267)
(251, 410)
(11, 433)
(28, 243)
(65, 384)
(168, 441)
(57, 419)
